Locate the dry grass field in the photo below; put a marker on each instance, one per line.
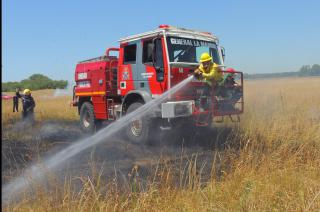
(270, 160)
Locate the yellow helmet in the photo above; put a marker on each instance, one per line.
(26, 92)
(205, 57)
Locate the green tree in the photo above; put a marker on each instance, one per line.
(35, 82)
(315, 70)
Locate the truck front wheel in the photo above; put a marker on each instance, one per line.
(87, 118)
(138, 130)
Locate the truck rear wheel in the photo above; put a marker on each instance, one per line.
(87, 118)
(139, 129)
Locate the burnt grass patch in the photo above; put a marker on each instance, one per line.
(117, 157)
(24, 144)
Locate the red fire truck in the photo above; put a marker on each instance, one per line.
(145, 66)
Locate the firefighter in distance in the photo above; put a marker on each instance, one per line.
(16, 102)
(28, 105)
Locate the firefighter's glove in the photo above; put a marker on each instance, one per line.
(197, 74)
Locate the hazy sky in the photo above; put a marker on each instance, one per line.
(50, 37)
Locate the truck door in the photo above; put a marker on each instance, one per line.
(127, 67)
(147, 73)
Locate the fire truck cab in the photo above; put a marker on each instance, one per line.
(146, 66)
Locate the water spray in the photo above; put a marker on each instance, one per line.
(36, 173)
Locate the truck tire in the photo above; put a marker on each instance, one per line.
(87, 118)
(139, 130)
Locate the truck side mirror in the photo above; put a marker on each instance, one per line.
(223, 53)
(157, 62)
(159, 74)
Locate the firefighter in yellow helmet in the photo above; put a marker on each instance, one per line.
(208, 71)
(28, 105)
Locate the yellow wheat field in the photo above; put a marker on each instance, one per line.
(272, 163)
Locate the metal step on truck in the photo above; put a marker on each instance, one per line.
(145, 66)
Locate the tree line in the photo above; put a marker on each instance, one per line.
(304, 71)
(35, 82)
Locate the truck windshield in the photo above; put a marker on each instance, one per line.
(189, 50)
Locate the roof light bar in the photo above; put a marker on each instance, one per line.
(164, 26)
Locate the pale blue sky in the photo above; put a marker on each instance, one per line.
(50, 37)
